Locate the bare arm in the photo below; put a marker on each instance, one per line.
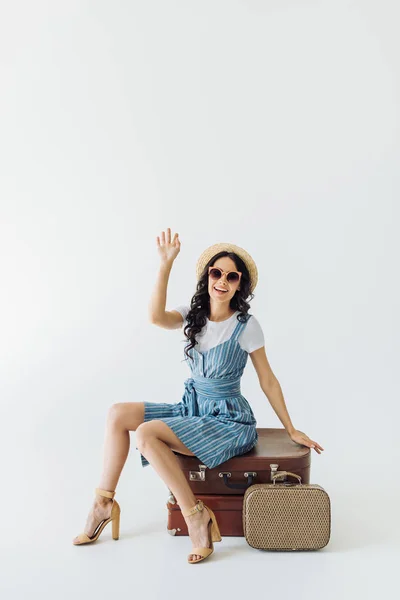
(157, 314)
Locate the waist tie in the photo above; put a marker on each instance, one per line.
(212, 388)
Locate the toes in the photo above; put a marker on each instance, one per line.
(193, 557)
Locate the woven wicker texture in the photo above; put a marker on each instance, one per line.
(282, 517)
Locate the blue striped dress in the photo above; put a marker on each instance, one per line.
(213, 419)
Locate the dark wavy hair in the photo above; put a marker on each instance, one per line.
(200, 302)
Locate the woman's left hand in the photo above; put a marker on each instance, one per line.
(302, 438)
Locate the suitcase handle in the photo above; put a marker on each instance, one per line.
(279, 474)
(238, 486)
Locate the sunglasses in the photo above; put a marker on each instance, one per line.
(232, 276)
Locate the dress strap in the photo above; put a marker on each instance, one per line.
(239, 327)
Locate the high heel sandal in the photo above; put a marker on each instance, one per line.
(115, 513)
(214, 534)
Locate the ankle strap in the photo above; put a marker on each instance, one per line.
(105, 493)
(198, 507)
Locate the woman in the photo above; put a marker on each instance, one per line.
(213, 421)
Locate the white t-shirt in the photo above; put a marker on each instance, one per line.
(213, 333)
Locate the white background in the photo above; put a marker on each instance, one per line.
(272, 125)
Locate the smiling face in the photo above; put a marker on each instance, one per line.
(225, 264)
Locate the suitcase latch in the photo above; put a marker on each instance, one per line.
(281, 475)
(198, 475)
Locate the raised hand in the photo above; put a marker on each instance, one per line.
(167, 249)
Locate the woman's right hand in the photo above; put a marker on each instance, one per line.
(167, 249)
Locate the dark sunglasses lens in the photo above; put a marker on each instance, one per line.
(233, 277)
(215, 273)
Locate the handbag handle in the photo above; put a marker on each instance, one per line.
(280, 473)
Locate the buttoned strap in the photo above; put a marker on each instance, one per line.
(198, 507)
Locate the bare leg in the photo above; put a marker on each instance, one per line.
(122, 418)
(164, 461)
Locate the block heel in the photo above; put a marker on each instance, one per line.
(115, 523)
(83, 538)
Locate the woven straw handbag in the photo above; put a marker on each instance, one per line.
(286, 516)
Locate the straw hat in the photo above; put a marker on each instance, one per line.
(245, 256)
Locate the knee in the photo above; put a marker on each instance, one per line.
(143, 435)
(115, 415)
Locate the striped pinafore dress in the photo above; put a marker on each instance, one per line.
(213, 419)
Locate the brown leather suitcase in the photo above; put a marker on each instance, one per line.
(222, 488)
